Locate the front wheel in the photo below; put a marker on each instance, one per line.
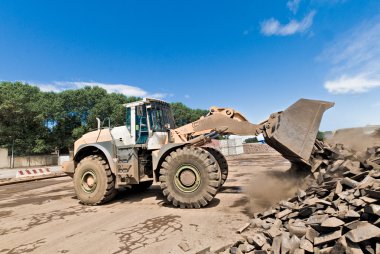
(223, 164)
(189, 177)
(94, 182)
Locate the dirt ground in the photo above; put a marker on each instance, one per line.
(45, 216)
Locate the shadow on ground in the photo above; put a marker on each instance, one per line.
(131, 196)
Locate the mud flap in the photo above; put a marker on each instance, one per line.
(294, 133)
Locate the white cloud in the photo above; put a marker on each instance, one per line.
(187, 96)
(47, 87)
(293, 5)
(355, 84)
(355, 60)
(127, 90)
(274, 27)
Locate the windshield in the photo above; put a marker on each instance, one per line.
(159, 117)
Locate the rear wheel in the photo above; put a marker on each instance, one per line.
(223, 165)
(189, 177)
(94, 182)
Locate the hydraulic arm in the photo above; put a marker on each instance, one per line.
(291, 132)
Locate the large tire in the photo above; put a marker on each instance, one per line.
(223, 164)
(189, 177)
(94, 182)
(142, 186)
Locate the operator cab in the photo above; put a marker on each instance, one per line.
(148, 122)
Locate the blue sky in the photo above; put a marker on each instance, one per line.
(255, 56)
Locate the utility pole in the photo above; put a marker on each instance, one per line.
(12, 158)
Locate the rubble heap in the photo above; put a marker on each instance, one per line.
(257, 148)
(338, 213)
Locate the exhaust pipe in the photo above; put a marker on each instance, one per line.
(98, 120)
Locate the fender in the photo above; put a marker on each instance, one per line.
(105, 147)
(165, 150)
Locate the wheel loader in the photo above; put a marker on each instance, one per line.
(148, 148)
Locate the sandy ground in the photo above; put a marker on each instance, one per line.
(45, 216)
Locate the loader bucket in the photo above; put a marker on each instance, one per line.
(294, 133)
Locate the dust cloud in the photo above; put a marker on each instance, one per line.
(268, 188)
(356, 139)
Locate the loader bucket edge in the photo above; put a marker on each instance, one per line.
(293, 134)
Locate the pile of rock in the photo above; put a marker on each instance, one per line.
(257, 148)
(338, 213)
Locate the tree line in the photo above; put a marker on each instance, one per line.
(38, 122)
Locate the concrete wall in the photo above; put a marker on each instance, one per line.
(228, 147)
(38, 160)
(27, 161)
(4, 161)
(63, 158)
(235, 146)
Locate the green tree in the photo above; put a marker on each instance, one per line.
(38, 122)
(184, 115)
(251, 140)
(321, 136)
(21, 118)
(81, 107)
(110, 106)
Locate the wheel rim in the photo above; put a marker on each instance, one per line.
(187, 178)
(89, 181)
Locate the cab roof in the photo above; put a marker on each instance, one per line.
(145, 101)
